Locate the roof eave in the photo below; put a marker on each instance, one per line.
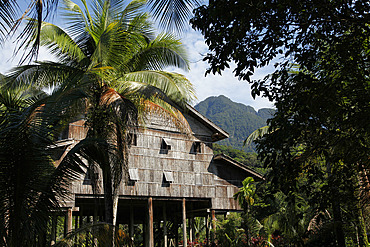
(233, 162)
(218, 133)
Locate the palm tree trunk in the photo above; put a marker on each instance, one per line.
(115, 208)
(108, 196)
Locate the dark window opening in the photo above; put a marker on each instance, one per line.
(168, 177)
(63, 135)
(196, 148)
(132, 139)
(166, 144)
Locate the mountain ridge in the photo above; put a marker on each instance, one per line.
(237, 119)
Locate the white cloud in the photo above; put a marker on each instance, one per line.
(214, 85)
(9, 60)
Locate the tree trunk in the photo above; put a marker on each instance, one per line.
(338, 222)
(362, 235)
(108, 196)
(115, 208)
(362, 187)
(337, 214)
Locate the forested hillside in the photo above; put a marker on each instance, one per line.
(237, 119)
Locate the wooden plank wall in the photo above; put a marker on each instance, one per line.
(193, 173)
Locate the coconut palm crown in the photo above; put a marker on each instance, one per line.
(110, 50)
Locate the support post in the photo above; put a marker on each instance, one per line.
(95, 219)
(53, 229)
(184, 222)
(76, 227)
(176, 223)
(213, 218)
(191, 229)
(207, 229)
(95, 216)
(131, 227)
(115, 209)
(76, 222)
(80, 221)
(164, 226)
(150, 222)
(68, 221)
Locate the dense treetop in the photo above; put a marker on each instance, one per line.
(321, 89)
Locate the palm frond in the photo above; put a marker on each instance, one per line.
(162, 52)
(38, 11)
(102, 232)
(172, 86)
(132, 10)
(42, 74)
(256, 134)
(173, 14)
(75, 17)
(8, 9)
(32, 186)
(60, 44)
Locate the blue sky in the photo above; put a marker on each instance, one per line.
(212, 85)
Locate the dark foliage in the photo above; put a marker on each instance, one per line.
(321, 89)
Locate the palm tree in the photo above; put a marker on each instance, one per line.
(31, 187)
(114, 56)
(172, 14)
(245, 197)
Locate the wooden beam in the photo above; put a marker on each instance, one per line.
(185, 244)
(164, 225)
(176, 223)
(213, 218)
(68, 223)
(88, 221)
(131, 225)
(150, 222)
(54, 219)
(191, 229)
(80, 223)
(207, 229)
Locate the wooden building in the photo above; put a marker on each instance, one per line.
(172, 176)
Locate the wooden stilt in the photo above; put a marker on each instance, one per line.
(95, 220)
(191, 232)
(131, 225)
(96, 214)
(88, 221)
(184, 222)
(207, 229)
(76, 227)
(115, 209)
(53, 229)
(68, 221)
(213, 215)
(150, 222)
(176, 223)
(164, 226)
(80, 220)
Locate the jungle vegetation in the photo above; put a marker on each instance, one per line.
(110, 67)
(316, 154)
(318, 144)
